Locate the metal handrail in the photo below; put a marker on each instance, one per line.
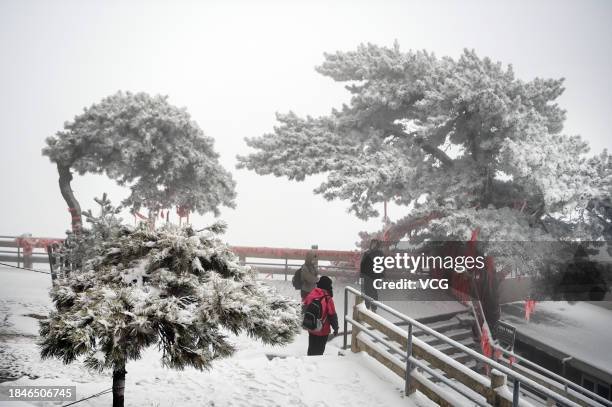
(485, 325)
(416, 362)
(479, 312)
(568, 383)
(518, 378)
(563, 380)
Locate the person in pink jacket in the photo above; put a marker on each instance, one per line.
(323, 293)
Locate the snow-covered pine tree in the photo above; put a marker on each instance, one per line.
(172, 287)
(148, 144)
(77, 247)
(462, 142)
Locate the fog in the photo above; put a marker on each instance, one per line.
(234, 64)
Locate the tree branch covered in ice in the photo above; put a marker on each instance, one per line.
(462, 138)
(143, 142)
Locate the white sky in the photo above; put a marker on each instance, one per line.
(234, 64)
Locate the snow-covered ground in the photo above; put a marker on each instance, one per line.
(582, 330)
(256, 375)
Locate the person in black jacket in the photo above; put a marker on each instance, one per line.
(366, 271)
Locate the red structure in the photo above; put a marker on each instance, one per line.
(288, 253)
(29, 243)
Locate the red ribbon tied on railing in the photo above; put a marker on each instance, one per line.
(485, 343)
(29, 243)
(529, 308)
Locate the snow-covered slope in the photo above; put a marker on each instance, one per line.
(256, 375)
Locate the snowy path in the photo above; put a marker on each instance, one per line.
(249, 378)
(243, 380)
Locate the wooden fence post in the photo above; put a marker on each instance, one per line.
(498, 379)
(355, 330)
(27, 258)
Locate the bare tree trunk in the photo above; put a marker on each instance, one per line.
(119, 385)
(73, 205)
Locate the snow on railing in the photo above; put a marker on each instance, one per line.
(481, 401)
(28, 250)
(553, 379)
(517, 378)
(25, 249)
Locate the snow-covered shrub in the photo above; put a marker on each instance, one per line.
(174, 288)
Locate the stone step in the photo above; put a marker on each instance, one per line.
(441, 326)
(450, 349)
(442, 317)
(456, 335)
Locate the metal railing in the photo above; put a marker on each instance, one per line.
(478, 312)
(12, 252)
(557, 379)
(517, 378)
(412, 361)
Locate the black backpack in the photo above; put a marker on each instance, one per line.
(297, 279)
(313, 319)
